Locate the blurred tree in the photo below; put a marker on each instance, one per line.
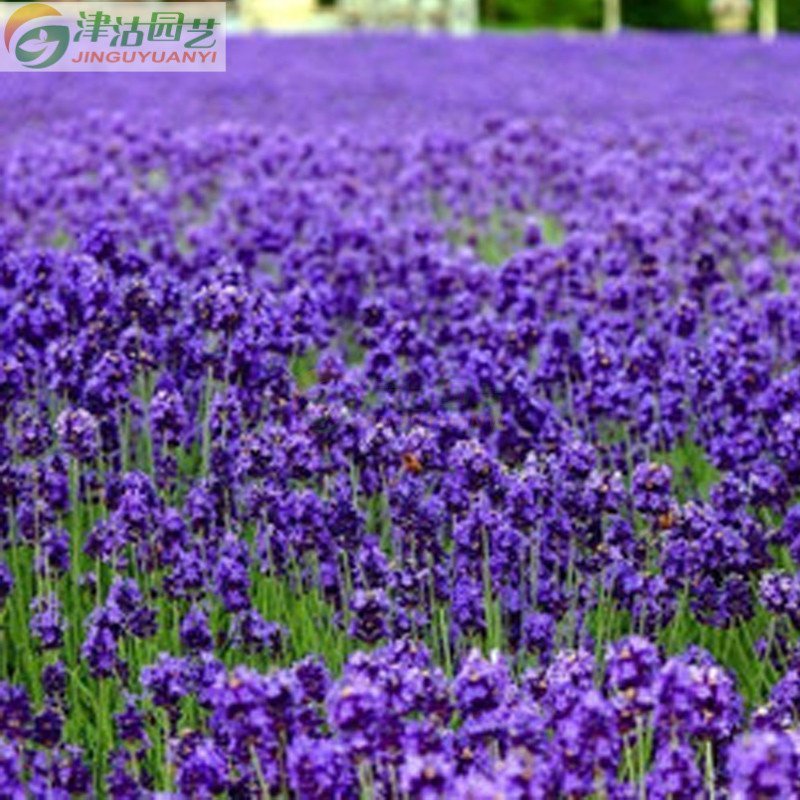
(789, 16)
(488, 12)
(612, 16)
(768, 19)
(671, 15)
(658, 14)
(544, 13)
(668, 14)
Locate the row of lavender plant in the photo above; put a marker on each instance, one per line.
(453, 462)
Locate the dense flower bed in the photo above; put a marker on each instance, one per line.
(428, 430)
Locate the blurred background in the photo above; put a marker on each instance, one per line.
(724, 16)
(698, 15)
(705, 16)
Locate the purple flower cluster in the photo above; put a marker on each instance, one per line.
(394, 722)
(361, 450)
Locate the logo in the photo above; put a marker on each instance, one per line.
(37, 46)
(95, 35)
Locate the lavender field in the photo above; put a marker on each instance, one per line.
(404, 418)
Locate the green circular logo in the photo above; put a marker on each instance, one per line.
(42, 47)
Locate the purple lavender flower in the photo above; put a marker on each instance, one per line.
(195, 631)
(120, 781)
(11, 772)
(356, 710)
(166, 681)
(695, 697)
(130, 724)
(369, 611)
(78, 434)
(168, 417)
(202, 768)
(313, 678)
(231, 577)
(254, 634)
(765, 765)
(47, 728)
(780, 594)
(651, 488)
(539, 630)
(47, 623)
(54, 555)
(589, 745)
(632, 666)
(6, 582)
(100, 649)
(54, 681)
(428, 776)
(15, 712)
(320, 768)
(481, 686)
(675, 774)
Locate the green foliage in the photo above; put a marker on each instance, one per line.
(304, 370)
(671, 15)
(692, 472)
(495, 240)
(789, 15)
(658, 14)
(550, 13)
